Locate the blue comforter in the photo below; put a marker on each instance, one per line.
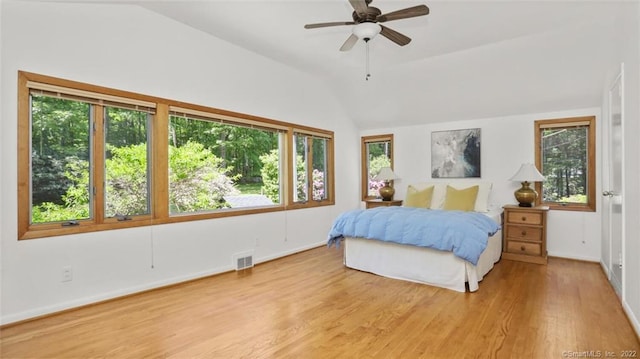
(463, 233)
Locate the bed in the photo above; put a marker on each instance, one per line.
(417, 263)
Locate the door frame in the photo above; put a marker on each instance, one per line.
(606, 177)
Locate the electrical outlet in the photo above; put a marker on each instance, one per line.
(67, 274)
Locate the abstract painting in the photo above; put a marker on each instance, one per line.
(455, 154)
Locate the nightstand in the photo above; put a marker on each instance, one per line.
(373, 203)
(524, 233)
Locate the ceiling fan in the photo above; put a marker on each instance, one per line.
(367, 20)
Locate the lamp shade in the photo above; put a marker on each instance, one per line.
(366, 30)
(527, 173)
(526, 195)
(385, 174)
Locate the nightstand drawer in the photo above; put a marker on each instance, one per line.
(524, 217)
(532, 249)
(524, 233)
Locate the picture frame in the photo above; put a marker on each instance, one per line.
(456, 153)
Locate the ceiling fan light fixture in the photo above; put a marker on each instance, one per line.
(366, 30)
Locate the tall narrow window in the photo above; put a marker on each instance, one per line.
(377, 152)
(300, 168)
(565, 155)
(312, 168)
(320, 169)
(60, 159)
(126, 162)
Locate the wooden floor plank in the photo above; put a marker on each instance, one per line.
(309, 305)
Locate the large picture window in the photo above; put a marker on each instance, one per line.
(215, 165)
(377, 152)
(92, 158)
(565, 155)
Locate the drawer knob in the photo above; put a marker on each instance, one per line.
(522, 248)
(524, 233)
(524, 218)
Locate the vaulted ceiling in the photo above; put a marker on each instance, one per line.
(467, 59)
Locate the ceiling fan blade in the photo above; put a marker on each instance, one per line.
(394, 36)
(348, 45)
(327, 24)
(414, 11)
(360, 6)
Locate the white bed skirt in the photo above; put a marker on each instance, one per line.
(419, 264)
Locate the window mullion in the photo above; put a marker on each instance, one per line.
(160, 163)
(97, 194)
(291, 168)
(309, 168)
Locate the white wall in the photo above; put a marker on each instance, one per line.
(129, 48)
(628, 39)
(630, 56)
(506, 143)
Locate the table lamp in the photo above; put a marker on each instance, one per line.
(386, 174)
(526, 195)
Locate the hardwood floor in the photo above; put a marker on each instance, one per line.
(309, 306)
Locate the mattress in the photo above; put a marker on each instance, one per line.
(423, 265)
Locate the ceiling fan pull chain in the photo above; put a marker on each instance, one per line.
(368, 72)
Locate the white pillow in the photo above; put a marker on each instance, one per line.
(440, 191)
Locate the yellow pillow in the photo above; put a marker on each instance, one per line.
(460, 199)
(418, 199)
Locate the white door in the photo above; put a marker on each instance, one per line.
(612, 193)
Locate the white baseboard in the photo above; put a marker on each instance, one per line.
(290, 252)
(605, 270)
(572, 256)
(632, 318)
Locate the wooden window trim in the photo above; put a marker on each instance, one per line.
(590, 122)
(364, 168)
(159, 176)
(290, 168)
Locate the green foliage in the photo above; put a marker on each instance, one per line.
(59, 136)
(197, 180)
(126, 183)
(376, 163)
(564, 154)
(240, 148)
(576, 198)
(48, 179)
(75, 203)
(270, 173)
(271, 181)
(51, 212)
(249, 188)
(205, 160)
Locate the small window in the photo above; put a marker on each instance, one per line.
(311, 169)
(377, 152)
(565, 155)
